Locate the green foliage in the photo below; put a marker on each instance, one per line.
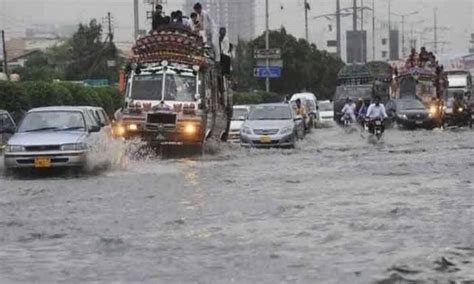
(82, 57)
(304, 66)
(242, 98)
(13, 96)
(16, 96)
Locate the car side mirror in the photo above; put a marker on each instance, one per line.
(94, 128)
(317, 107)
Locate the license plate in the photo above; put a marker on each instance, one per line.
(265, 139)
(378, 123)
(42, 163)
(419, 122)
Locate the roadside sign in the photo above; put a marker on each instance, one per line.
(332, 43)
(271, 62)
(272, 53)
(271, 72)
(96, 83)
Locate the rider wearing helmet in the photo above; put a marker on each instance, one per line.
(349, 110)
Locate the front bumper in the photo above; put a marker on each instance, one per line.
(234, 137)
(274, 141)
(58, 159)
(416, 123)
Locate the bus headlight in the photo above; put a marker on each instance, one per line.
(133, 127)
(119, 131)
(190, 129)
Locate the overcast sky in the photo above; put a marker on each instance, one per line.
(457, 15)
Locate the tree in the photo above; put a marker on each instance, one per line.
(304, 66)
(89, 55)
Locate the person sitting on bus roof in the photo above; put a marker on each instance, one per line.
(196, 24)
(424, 56)
(158, 18)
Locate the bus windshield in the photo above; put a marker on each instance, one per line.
(178, 87)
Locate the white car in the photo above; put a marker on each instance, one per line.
(238, 118)
(325, 112)
(53, 137)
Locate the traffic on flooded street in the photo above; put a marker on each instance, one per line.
(334, 209)
(237, 142)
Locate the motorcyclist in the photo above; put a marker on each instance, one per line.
(376, 111)
(301, 111)
(363, 111)
(349, 110)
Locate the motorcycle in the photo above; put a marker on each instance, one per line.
(377, 128)
(347, 121)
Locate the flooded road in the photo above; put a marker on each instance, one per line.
(336, 209)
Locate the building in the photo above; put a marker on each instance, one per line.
(237, 16)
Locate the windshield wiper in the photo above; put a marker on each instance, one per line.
(70, 128)
(41, 129)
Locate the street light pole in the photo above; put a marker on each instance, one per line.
(267, 44)
(136, 21)
(306, 20)
(5, 59)
(338, 27)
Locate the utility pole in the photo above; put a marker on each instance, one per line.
(5, 58)
(267, 44)
(354, 16)
(389, 29)
(338, 27)
(435, 31)
(136, 20)
(362, 15)
(306, 8)
(373, 30)
(109, 23)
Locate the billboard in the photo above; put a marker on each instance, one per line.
(356, 46)
(394, 45)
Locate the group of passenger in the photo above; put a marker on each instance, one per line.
(421, 59)
(202, 23)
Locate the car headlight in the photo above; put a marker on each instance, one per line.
(286, 130)
(460, 109)
(14, 148)
(403, 116)
(246, 130)
(74, 147)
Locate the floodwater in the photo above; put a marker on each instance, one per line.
(337, 209)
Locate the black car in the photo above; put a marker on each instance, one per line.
(7, 128)
(409, 113)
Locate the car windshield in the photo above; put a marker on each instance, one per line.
(325, 106)
(409, 105)
(270, 113)
(178, 87)
(239, 113)
(52, 120)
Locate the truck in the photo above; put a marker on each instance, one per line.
(362, 82)
(175, 92)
